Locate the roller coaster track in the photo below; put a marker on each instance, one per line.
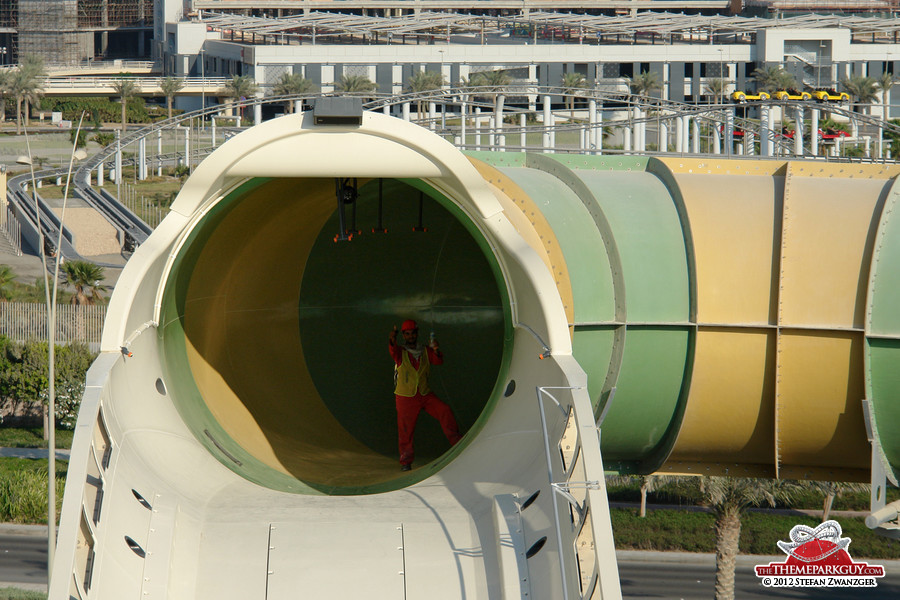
(133, 231)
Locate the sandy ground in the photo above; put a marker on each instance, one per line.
(94, 236)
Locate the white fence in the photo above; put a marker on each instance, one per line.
(23, 321)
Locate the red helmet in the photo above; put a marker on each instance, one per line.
(409, 325)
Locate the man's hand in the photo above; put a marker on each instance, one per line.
(393, 337)
(434, 344)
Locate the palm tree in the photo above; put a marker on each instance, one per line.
(25, 85)
(885, 83)
(831, 490)
(240, 87)
(773, 79)
(864, 90)
(644, 83)
(717, 87)
(170, 86)
(729, 498)
(651, 483)
(5, 83)
(355, 84)
(292, 84)
(496, 81)
(424, 81)
(571, 83)
(494, 84)
(125, 89)
(84, 277)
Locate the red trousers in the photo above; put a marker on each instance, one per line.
(408, 410)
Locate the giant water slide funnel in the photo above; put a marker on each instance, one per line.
(238, 435)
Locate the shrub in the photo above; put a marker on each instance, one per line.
(82, 137)
(104, 138)
(97, 108)
(23, 491)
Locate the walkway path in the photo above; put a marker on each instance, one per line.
(61, 453)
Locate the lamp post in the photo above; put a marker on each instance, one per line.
(819, 65)
(443, 104)
(202, 83)
(51, 335)
(722, 75)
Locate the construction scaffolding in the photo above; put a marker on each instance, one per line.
(72, 31)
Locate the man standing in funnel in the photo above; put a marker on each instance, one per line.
(413, 366)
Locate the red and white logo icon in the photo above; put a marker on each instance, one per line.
(818, 558)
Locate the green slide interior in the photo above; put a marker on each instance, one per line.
(276, 336)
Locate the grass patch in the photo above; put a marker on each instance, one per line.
(14, 593)
(694, 531)
(32, 437)
(808, 499)
(23, 490)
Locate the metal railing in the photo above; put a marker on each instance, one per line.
(97, 84)
(23, 321)
(11, 229)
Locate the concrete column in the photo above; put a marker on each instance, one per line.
(765, 131)
(405, 111)
(545, 138)
(498, 117)
(463, 109)
(639, 137)
(598, 130)
(212, 132)
(523, 139)
(257, 114)
(187, 146)
(663, 136)
(100, 173)
(553, 131)
(695, 133)
(814, 131)
(679, 134)
(686, 138)
(492, 126)
(627, 138)
(142, 158)
(118, 156)
(717, 141)
(749, 143)
(798, 132)
(432, 115)
(729, 131)
(592, 124)
(477, 120)
(159, 149)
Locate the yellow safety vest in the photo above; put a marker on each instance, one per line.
(410, 380)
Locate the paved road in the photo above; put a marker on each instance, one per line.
(645, 580)
(644, 575)
(23, 558)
